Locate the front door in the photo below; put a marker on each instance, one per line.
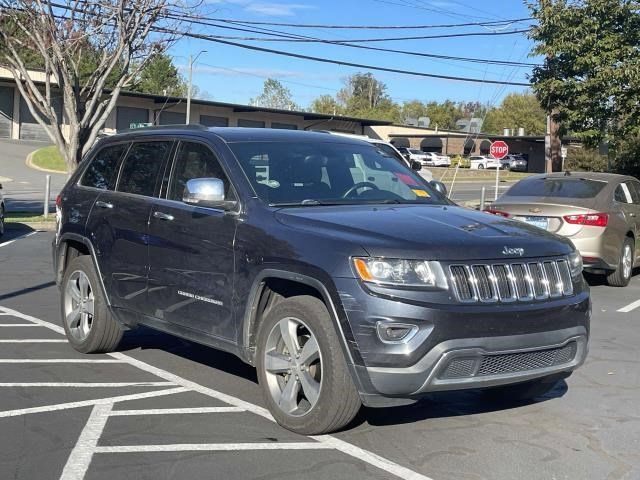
(191, 251)
(119, 220)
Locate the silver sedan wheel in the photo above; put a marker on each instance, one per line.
(627, 261)
(79, 304)
(293, 366)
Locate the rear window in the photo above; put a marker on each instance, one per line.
(103, 171)
(557, 188)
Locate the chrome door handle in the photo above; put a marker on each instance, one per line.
(163, 216)
(102, 204)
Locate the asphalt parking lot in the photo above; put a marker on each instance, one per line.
(164, 408)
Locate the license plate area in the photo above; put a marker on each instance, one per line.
(540, 222)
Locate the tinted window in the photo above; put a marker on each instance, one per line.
(557, 188)
(308, 173)
(620, 195)
(194, 160)
(142, 168)
(103, 171)
(634, 189)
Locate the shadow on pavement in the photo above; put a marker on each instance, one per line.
(24, 291)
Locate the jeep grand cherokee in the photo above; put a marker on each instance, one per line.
(343, 276)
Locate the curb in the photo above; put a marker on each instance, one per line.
(29, 162)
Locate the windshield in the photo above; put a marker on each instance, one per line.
(557, 188)
(319, 173)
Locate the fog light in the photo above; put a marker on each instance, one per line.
(389, 332)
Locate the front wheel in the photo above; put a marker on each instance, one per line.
(305, 379)
(622, 275)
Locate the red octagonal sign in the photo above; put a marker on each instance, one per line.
(499, 149)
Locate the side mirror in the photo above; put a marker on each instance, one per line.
(416, 165)
(206, 192)
(439, 187)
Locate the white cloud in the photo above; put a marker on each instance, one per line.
(271, 9)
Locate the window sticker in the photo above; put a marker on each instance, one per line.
(420, 193)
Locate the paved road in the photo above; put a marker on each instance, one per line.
(23, 186)
(586, 428)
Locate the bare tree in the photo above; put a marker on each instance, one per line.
(88, 52)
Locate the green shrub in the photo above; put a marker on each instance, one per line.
(459, 159)
(585, 160)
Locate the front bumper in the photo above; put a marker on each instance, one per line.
(461, 346)
(485, 362)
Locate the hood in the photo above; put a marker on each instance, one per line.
(447, 233)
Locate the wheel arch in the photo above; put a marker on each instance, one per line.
(70, 246)
(263, 296)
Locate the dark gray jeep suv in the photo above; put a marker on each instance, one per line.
(342, 275)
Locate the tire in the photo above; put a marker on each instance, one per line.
(481, 167)
(521, 392)
(87, 333)
(622, 275)
(1, 220)
(333, 400)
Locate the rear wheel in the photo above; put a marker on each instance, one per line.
(481, 167)
(88, 322)
(301, 368)
(622, 275)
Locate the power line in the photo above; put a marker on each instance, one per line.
(339, 62)
(286, 35)
(363, 27)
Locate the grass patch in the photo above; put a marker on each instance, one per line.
(465, 174)
(49, 158)
(28, 217)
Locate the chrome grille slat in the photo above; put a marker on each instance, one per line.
(511, 282)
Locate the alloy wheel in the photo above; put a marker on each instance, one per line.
(627, 261)
(293, 366)
(79, 305)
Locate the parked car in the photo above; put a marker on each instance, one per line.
(339, 273)
(389, 149)
(598, 212)
(2, 212)
(435, 160)
(480, 162)
(414, 154)
(517, 163)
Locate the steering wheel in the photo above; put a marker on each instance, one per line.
(357, 186)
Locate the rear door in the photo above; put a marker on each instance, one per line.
(119, 222)
(634, 212)
(191, 250)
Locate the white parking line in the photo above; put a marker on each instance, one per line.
(214, 447)
(9, 242)
(86, 384)
(58, 360)
(32, 340)
(19, 325)
(83, 451)
(87, 403)
(630, 307)
(80, 457)
(176, 411)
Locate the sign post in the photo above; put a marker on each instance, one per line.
(498, 150)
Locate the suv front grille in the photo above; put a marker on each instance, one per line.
(508, 363)
(510, 282)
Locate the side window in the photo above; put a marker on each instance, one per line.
(102, 173)
(194, 160)
(634, 189)
(142, 168)
(619, 195)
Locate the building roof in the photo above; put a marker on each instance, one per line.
(167, 101)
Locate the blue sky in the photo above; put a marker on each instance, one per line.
(235, 75)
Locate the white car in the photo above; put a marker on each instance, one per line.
(480, 162)
(435, 160)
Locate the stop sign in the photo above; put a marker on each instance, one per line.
(499, 149)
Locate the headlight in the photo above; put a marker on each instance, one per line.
(398, 272)
(575, 264)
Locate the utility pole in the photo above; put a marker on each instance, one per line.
(189, 85)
